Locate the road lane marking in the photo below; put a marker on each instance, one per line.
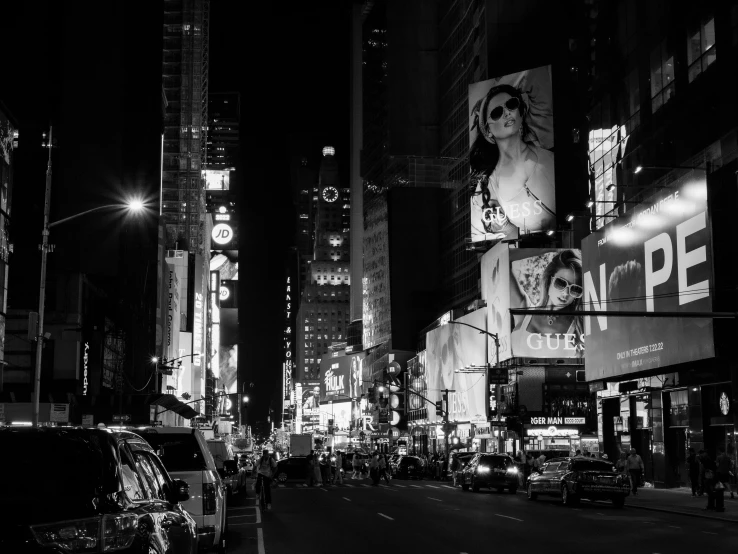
(388, 489)
(599, 514)
(433, 486)
(281, 486)
(388, 517)
(436, 499)
(416, 486)
(508, 517)
(365, 485)
(401, 486)
(258, 515)
(448, 486)
(709, 533)
(346, 499)
(260, 539)
(352, 486)
(321, 488)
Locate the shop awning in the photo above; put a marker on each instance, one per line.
(172, 403)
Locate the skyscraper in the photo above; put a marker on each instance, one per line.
(184, 152)
(323, 315)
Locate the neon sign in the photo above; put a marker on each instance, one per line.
(552, 432)
(85, 361)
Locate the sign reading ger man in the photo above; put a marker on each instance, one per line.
(656, 260)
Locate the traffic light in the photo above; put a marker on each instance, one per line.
(330, 427)
(439, 407)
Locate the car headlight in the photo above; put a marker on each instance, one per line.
(482, 469)
(512, 470)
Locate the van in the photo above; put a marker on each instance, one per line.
(186, 456)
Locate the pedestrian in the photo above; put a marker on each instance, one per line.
(635, 469)
(709, 481)
(541, 460)
(356, 465)
(454, 467)
(621, 465)
(693, 468)
(723, 470)
(338, 477)
(310, 477)
(577, 453)
(374, 470)
(317, 471)
(383, 468)
(325, 468)
(264, 475)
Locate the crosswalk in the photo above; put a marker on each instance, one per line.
(393, 485)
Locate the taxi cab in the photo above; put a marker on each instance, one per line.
(574, 478)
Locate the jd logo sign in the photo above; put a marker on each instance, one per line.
(222, 233)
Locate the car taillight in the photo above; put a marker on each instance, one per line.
(208, 499)
(96, 534)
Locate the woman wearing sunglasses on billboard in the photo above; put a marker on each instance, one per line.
(512, 174)
(549, 335)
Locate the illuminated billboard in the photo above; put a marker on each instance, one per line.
(225, 262)
(656, 259)
(217, 179)
(511, 155)
(548, 279)
(449, 348)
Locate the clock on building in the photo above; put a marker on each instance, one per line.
(330, 194)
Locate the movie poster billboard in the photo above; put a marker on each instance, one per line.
(309, 400)
(657, 259)
(511, 155)
(452, 347)
(217, 179)
(548, 279)
(336, 378)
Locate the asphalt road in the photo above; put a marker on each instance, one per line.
(433, 517)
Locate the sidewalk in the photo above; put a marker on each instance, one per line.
(681, 501)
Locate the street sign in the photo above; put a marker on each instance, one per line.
(121, 417)
(59, 413)
(88, 419)
(498, 376)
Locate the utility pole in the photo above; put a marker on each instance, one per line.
(446, 422)
(42, 287)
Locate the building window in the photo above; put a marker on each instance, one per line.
(701, 49)
(662, 76)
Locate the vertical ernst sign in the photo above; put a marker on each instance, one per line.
(288, 341)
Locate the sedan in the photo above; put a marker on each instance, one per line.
(107, 491)
(493, 471)
(572, 479)
(409, 466)
(294, 467)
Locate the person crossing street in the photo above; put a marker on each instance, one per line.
(265, 469)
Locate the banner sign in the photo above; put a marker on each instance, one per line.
(451, 347)
(657, 259)
(512, 197)
(546, 278)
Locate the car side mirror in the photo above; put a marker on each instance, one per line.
(181, 490)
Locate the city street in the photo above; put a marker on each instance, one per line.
(433, 517)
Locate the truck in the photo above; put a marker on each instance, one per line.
(300, 445)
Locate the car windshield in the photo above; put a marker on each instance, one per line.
(494, 461)
(76, 468)
(591, 465)
(180, 452)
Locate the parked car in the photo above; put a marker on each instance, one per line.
(409, 466)
(575, 478)
(492, 471)
(186, 456)
(104, 491)
(221, 451)
(294, 467)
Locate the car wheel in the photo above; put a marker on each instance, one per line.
(531, 495)
(618, 501)
(567, 498)
(512, 490)
(282, 477)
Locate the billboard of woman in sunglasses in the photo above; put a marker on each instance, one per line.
(511, 157)
(552, 281)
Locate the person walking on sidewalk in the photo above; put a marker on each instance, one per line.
(317, 473)
(635, 469)
(723, 470)
(338, 476)
(693, 466)
(709, 480)
(310, 477)
(374, 470)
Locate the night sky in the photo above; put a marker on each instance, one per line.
(94, 70)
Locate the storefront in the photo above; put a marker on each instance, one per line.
(553, 436)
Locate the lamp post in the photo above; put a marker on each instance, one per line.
(134, 205)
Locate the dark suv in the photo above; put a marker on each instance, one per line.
(100, 492)
(493, 471)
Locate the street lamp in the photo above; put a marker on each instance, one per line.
(135, 205)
